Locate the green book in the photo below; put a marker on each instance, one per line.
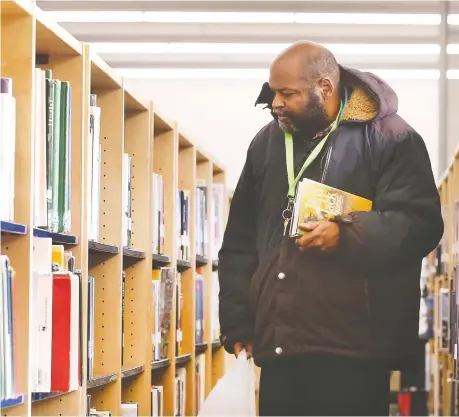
(49, 143)
(63, 180)
(54, 226)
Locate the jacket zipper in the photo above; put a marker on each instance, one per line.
(327, 162)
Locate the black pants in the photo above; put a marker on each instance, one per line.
(324, 385)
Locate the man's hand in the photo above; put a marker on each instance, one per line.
(239, 346)
(320, 235)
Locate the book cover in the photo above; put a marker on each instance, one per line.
(319, 202)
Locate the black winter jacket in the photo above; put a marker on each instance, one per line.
(363, 299)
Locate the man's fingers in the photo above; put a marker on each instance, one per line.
(309, 226)
(237, 349)
(248, 348)
(306, 240)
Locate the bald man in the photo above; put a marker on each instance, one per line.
(328, 314)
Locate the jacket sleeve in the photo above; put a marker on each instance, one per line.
(406, 222)
(237, 262)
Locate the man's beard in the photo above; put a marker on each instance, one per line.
(311, 120)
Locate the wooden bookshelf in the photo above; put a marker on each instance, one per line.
(443, 276)
(123, 372)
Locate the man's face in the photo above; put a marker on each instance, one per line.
(298, 105)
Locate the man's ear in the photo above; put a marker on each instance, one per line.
(326, 88)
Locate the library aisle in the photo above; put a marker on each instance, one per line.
(111, 221)
(440, 283)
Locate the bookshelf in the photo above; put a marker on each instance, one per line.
(117, 146)
(443, 280)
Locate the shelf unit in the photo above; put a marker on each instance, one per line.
(155, 144)
(443, 271)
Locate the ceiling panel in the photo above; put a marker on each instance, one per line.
(256, 33)
(388, 6)
(251, 33)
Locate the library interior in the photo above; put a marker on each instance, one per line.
(125, 127)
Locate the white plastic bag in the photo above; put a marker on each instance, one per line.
(234, 393)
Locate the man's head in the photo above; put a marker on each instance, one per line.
(305, 81)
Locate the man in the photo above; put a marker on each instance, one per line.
(327, 315)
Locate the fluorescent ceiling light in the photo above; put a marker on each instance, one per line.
(219, 17)
(96, 16)
(194, 73)
(406, 74)
(247, 17)
(453, 19)
(368, 18)
(263, 74)
(260, 48)
(452, 49)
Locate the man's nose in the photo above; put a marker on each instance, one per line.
(277, 103)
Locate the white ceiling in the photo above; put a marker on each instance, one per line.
(255, 44)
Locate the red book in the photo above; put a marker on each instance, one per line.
(65, 337)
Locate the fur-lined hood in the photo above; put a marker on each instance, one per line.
(370, 97)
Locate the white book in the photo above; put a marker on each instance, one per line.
(180, 379)
(3, 317)
(7, 148)
(129, 409)
(74, 330)
(7, 331)
(94, 157)
(157, 401)
(42, 312)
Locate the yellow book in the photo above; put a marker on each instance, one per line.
(58, 256)
(319, 202)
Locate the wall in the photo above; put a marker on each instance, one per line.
(220, 114)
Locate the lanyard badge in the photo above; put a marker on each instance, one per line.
(292, 180)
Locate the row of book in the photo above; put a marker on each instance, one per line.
(183, 224)
(441, 309)
(55, 319)
(163, 282)
(8, 337)
(202, 219)
(214, 312)
(51, 151)
(131, 409)
(158, 227)
(201, 235)
(94, 169)
(447, 251)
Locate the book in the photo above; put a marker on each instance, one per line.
(8, 342)
(318, 202)
(7, 149)
(158, 228)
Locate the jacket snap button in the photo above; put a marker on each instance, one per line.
(281, 275)
(278, 350)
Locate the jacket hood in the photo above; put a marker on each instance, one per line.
(370, 97)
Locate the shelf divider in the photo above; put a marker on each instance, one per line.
(18, 63)
(138, 293)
